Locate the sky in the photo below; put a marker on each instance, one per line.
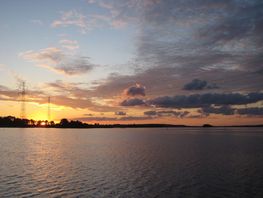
(133, 61)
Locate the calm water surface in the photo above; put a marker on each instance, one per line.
(174, 162)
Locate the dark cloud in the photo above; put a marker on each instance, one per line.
(212, 86)
(126, 118)
(224, 110)
(132, 102)
(179, 114)
(137, 90)
(254, 111)
(197, 100)
(228, 110)
(200, 100)
(197, 84)
(120, 113)
(150, 113)
(89, 119)
(88, 114)
(207, 110)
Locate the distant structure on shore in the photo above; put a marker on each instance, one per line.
(48, 110)
(23, 99)
(207, 125)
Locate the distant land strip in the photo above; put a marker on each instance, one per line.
(13, 122)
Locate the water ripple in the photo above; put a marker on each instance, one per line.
(178, 162)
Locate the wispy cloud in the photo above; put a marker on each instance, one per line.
(122, 13)
(70, 89)
(65, 94)
(87, 22)
(72, 18)
(69, 44)
(118, 15)
(77, 95)
(56, 60)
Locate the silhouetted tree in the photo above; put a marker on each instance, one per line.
(52, 123)
(64, 122)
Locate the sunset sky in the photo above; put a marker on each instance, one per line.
(133, 61)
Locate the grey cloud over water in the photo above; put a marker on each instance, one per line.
(197, 84)
(137, 90)
(132, 102)
(168, 113)
(197, 100)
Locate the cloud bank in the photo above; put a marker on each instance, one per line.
(197, 100)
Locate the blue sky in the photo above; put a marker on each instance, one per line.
(29, 27)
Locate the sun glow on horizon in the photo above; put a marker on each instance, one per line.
(43, 123)
(38, 116)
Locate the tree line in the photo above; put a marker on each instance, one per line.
(11, 121)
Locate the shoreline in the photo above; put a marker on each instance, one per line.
(134, 126)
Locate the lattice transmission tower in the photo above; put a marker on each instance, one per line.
(48, 109)
(23, 99)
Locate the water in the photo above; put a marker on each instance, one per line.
(174, 162)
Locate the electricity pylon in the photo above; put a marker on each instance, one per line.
(23, 100)
(48, 110)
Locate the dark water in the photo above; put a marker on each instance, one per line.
(178, 162)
